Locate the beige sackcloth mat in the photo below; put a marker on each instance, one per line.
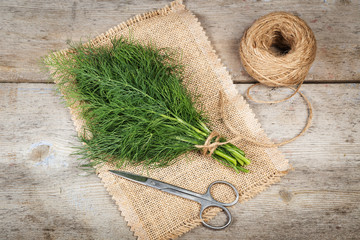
(150, 213)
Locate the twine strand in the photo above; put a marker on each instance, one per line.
(259, 143)
(273, 101)
(277, 50)
(209, 147)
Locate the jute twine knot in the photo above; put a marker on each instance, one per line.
(208, 147)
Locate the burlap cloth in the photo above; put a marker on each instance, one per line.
(150, 213)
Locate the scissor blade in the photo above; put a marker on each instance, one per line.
(130, 176)
(165, 187)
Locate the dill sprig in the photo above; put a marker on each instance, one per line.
(134, 105)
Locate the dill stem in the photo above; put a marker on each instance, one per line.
(184, 123)
(226, 157)
(237, 155)
(204, 127)
(242, 169)
(237, 149)
(242, 158)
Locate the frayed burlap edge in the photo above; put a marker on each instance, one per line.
(125, 206)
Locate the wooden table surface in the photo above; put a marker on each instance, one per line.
(44, 195)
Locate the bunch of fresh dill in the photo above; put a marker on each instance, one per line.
(134, 105)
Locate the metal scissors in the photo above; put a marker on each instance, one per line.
(205, 200)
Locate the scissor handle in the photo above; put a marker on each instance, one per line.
(208, 193)
(215, 203)
(227, 212)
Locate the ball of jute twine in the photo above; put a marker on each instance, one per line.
(278, 50)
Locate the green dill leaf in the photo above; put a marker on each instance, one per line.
(135, 108)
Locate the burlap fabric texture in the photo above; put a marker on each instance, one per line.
(152, 214)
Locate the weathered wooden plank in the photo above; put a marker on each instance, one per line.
(45, 196)
(30, 29)
(334, 24)
(320, 199)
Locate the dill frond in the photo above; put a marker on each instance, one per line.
(135, 108)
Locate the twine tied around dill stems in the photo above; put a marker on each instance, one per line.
(278, 50)
(213, 140)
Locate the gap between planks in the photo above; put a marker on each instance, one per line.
(235, 82)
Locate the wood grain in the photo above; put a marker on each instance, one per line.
(334, 24)
(31, 29)
(320, 199)
(44, 195)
